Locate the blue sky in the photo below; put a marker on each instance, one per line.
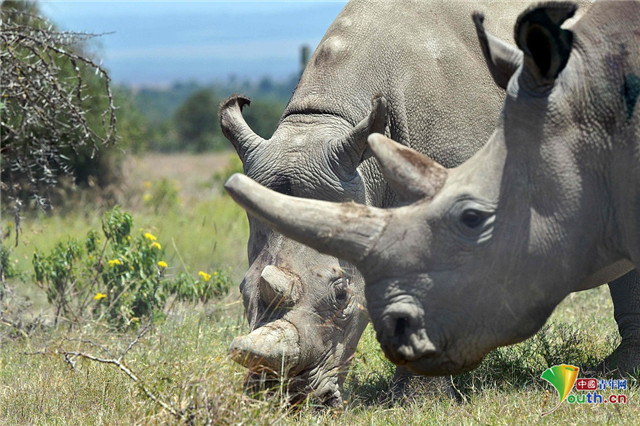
(158, 42)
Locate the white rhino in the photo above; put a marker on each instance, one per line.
(483, 252)
(420, 60)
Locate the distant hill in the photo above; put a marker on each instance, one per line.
(177, 120)
(159, 104)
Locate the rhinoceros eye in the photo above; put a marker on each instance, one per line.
(341, 290)
(472, 218)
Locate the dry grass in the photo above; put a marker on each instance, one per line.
(192, 172)
(184, 362)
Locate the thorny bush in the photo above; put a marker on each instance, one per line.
(56, 108)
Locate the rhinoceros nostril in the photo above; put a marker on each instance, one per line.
(402, 325)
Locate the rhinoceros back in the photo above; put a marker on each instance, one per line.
(424, 57)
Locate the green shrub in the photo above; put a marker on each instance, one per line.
(234, 165)
(58, 274)
(162, 195)
(117, 276)
(7, 269)
(206, 287)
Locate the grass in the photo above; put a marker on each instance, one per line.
(183, 360)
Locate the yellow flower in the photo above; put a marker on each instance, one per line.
(204, 275)
(150, 236)
(163, 264)
(115, 262)
(147, 197)
(147, 184)
(99, 296)
(156, 245)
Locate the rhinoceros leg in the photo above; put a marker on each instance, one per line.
(625, 292)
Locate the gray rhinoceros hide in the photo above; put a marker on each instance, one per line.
(550, 205)
(421, 64)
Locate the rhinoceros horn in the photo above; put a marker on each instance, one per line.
(350, 149)
(279, 287)
(344, 230)
(412, 175)
(274, 346)
(235, 128)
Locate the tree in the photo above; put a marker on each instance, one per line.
(56, 108)
(196, 120)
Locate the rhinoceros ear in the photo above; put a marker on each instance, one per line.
(235, 128)
(348, 151)
(502, 59)
(545, 44)
(413, 176)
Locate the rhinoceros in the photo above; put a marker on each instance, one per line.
(420, 62)
(482, 253)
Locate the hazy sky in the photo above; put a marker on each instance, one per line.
(158, 42)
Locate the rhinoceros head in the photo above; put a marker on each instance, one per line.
(305, 309)
(482, 253)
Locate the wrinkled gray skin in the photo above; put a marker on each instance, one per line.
(548, 206)
(421, 61)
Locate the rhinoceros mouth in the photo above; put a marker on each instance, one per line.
(405, 342)
(298, 388)
(272, 355)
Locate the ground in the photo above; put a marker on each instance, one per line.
(183, 361)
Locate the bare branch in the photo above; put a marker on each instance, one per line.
(70, 356)
(126, 370)
(134, 342)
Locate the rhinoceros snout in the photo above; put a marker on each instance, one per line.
(273, 347)
(403, 338)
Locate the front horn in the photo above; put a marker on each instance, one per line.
(344, 230)
(235, 128)
(270, 347)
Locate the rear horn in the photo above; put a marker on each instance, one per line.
(350, 149)
(413, 175)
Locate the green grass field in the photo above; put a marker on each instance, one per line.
(182, 361)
